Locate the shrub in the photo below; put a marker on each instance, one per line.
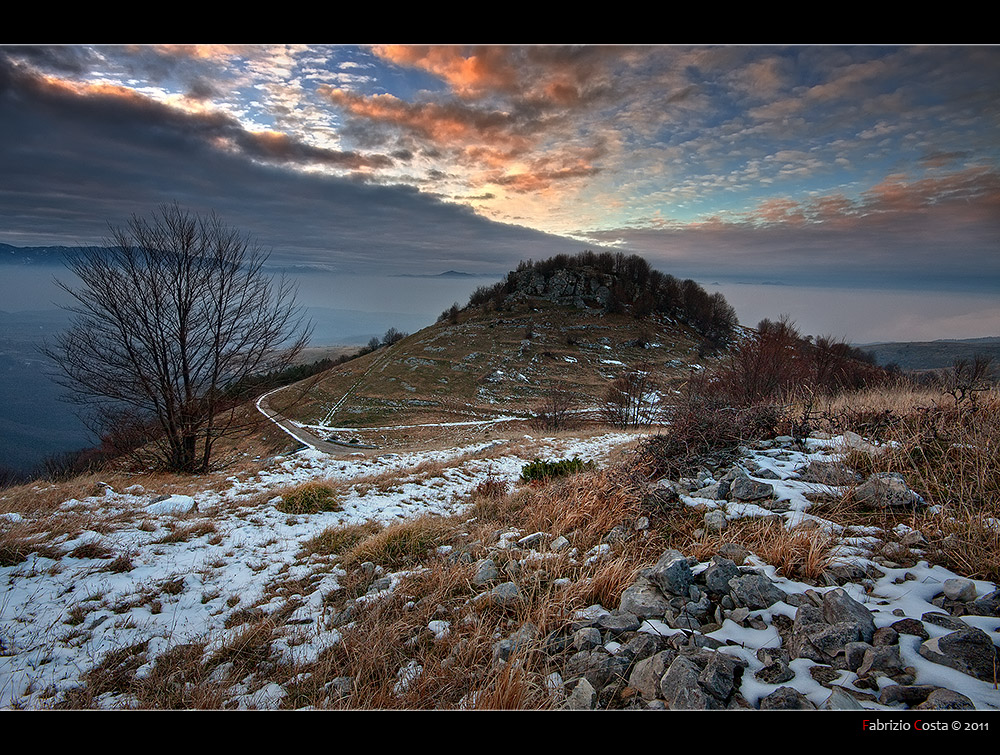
(541, 471)
(309, 498)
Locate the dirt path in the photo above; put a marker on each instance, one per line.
(305, 436)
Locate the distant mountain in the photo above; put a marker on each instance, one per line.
(933, 355)
(38, 255)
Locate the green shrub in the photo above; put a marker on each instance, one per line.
(309, 498)
(540, 471)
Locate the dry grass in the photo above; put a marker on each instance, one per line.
(951, 457)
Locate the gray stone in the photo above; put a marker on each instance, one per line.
(745, 489)
(531, 541)
(506, 595)
(718, 574)
(715, 521)
(886, 490)
(755, 591)
(840, 699)
(680, 689)
(946, 699)
(906, 694)
(644, 599)
(583, 697)
(775, 672)
(486, 572)
(721, 675)
(963, 590)
(786, 698)
(911, 626)
(944, 620)
(559, 544)
(988, 605)
(882, 661)
(646, 675)
(672, 574)
(970, 651)
(619, 622)
(587, 638)
(829, 473)
(839, 606)
(854, 654)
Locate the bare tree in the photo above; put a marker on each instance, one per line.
(632, 400)
(170, 315)
(554, 410)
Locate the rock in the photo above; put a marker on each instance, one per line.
(882, 661)
(970, 651)
(775, 672)
(755, 591)
(735, 553)
(839, 606)
(746, 489)
(680, 689)
(672, 574)
(619, 622)
(911, 626)
(486, 572)
(520, 641)
(718, 574)
(963, 590)
(840, 699)
(988, 605)
(828, 473)
(886, 490)
(506, 595)
(943, 620)
(644, 599)
(583, 697)
(786, 698)
(646, 674)
(946, 699)
(715, 521)
(721, 676)
(559, 544)
(530, 541)
(587, 638)
(907, 694)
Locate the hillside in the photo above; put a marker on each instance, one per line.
(533, 340)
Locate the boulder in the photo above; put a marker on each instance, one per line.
(970, 651)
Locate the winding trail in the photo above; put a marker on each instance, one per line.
(304, 436)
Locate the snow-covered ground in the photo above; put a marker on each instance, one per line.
(58, 618)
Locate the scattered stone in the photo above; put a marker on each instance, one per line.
(619, 622)
(970, 651)
(583, 697)
(531, 541)
(746, 489)
(680, 689)
(944, 621)
(907, 694)
(672, 573)
(886, 490)
(946, 699)
(840, 699)
(962, 590)
(486, 572)
(911, 626)
(587, 638)
(646, 674)
(715, 521)
(838, 606)
(644, 599)
(755, 591)
(786, 698)
(559, 544)
(505, 595)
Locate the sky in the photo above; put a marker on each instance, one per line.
(856, 169)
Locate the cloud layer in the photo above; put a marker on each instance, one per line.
(865, 166)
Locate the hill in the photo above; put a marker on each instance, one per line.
(932, 355)
(555, 332)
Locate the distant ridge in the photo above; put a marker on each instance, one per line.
(933, 355)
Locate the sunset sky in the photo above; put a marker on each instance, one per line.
(858, 167)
